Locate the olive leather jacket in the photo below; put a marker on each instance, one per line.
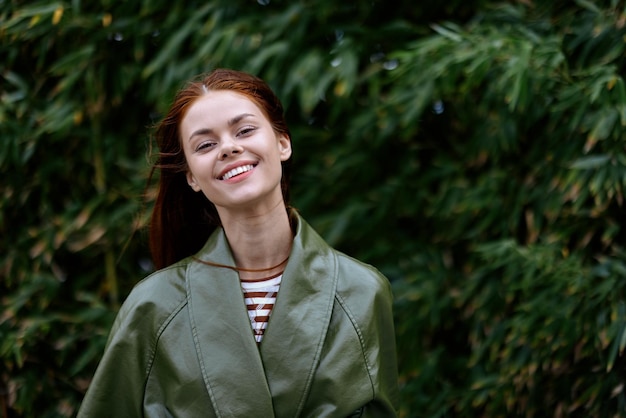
(182, 344)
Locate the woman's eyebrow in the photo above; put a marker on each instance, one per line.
(231, 122)
(203, 131)
(239, 118)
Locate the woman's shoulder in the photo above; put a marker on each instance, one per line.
(364, 294)
(167, 281)
(354, 273)
(362, 290)
(167, 276)
(355, 278)
(156, 297)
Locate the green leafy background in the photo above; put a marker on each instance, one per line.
(472, 150)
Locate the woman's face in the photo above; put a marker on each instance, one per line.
(233, 154)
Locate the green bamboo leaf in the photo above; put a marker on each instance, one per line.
(605, 124)
(590, 162)
(87, 356)
(588, 5)
(72, 62)
(620, 88)
(27, 14)
(622, 341)
(620, 337)
(449, 33)
(176, 40)
(518, 70)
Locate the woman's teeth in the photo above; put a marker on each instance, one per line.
(236, 171)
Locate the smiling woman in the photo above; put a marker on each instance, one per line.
(182, 219)
(251, 313)
(234, 157)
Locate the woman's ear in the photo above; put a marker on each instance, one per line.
(284, 146)
(191, 181)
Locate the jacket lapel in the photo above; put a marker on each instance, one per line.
(293, 340)
(229, 359)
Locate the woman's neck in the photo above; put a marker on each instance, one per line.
(259, 241)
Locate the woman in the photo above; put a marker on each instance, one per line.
(251, 313)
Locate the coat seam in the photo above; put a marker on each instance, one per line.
(359, 333)
(159, 332)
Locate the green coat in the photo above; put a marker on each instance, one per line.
(182, 344)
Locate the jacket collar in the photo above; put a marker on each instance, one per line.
(242, 379)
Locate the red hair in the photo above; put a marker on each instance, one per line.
(183, 219)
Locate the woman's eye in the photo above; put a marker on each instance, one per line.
(246, 130)
(204, 146)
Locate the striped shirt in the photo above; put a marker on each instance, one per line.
(260, 296)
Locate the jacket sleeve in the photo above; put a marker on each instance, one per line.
(117, 388)
(382, 356)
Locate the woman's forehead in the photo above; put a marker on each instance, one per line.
(221, 105)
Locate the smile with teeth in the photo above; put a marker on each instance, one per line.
(236, 171)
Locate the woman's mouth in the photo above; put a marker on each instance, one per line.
(237, 171)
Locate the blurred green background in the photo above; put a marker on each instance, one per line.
(472, 150)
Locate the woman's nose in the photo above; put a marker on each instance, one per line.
(229, 147)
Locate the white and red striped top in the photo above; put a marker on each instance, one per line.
(260, 296)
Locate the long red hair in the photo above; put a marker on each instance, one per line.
(183, 219)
